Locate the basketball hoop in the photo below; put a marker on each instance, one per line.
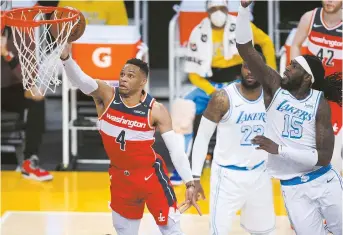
(40, 42)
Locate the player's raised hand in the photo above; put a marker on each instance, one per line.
(66, 51)
(189, 201)
(198, 191)
(245, 3)
(265, 144)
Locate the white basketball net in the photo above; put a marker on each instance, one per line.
(39, 53)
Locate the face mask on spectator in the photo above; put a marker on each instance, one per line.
(218, 18)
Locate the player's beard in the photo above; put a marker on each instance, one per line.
(291, 84)
(249, 86)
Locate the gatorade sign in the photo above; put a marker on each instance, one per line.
(103, 61)
(102, 57)
(103, 50)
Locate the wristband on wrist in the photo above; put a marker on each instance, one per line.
(196, 177)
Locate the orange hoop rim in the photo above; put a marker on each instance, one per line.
(18, 22)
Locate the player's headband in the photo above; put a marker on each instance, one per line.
(216, 3)
(302, 61)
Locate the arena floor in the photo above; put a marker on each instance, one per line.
(76, 203)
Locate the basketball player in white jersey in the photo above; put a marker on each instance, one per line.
(299, 136)
(239, 179)
(322, 27)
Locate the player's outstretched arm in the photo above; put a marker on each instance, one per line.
(268, 77)
(301, 34)
(216, 109)
(325, 138)
(162, 120)
(99, 90)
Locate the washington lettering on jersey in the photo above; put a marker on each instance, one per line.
(122, 120)
(323, 40)
(326, 43)
(287, 107)
(246, 116)
(126, 133)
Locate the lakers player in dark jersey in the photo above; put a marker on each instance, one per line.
(128, 118)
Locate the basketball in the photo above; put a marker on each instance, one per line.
(76, 32)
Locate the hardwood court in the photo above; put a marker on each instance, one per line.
(76, 203)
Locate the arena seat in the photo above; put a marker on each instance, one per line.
(188, 14)
(101, 53)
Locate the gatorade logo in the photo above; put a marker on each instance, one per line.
(102, 57)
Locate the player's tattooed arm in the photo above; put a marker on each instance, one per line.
(325, 138)
(218, 106)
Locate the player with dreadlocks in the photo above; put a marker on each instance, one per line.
(299, 136)
(331, 86)
(321, 30)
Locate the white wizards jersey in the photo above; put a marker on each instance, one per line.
(291, 123)
(244, 120)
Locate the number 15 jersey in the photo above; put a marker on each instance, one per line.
(291, 123)
(127, 134)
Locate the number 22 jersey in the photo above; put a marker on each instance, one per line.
(127, 134)
(244, 120)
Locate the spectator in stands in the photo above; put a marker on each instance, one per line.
(212, 61)
(15, 99)
(96, 12)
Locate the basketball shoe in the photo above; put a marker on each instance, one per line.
(31, 170)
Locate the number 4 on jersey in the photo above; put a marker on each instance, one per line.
(121, 140)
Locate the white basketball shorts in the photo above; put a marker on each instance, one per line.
(313, 197)
(250, 191)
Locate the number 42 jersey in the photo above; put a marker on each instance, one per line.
(127, 134)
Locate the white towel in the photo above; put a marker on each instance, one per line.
(200, 46)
